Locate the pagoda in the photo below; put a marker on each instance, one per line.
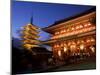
(30, 35)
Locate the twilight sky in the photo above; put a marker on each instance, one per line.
(44, 14)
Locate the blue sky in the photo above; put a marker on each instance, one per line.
(44, 14)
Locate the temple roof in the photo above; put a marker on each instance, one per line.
(72, 17)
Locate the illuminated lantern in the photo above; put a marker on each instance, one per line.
(81, 26)
(82, 46)
(64, 30)
(92, 49)
(55, 33)
(72, 28)
(87, 40)
(61, 31)
(73, 42)
(89, 24)
(59, 53)
(77, 27)
(72, 47)
(85, 25)
(57, 45)
(67, 30)
(69, 43)
(78, 42)
(65, 44)
(61, 44)
(82, 41)
(92, 39)
(81, 31)
(65, 49)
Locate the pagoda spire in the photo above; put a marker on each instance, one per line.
(31, 20)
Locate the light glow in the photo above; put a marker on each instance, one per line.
(81, 26)
(73, 47)
(59, 53)
(72, 28)
(92, 49)
(81, 46)
(74, 32)
(89, 24)
(77, 27)
(65, 49)
(85, 25)
(57, 45)
(92, 39)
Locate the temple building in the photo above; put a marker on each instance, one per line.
(73, 36)
(30, 35)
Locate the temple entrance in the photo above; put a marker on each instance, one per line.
(75, 49)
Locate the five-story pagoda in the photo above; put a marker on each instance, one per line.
(30, 35)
